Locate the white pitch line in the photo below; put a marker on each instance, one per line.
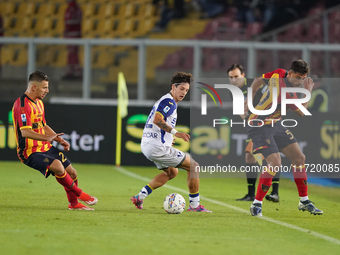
(291, 226)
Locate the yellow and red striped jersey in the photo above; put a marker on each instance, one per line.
(29, 114)
(277, 79)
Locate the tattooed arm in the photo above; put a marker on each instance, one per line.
(160, 122)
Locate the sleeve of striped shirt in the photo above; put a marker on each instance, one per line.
(25, 116)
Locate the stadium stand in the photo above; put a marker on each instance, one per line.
(38, 18)
(306, 30)
(136, 18)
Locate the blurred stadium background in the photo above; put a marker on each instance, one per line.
(118, 36)
(314, 29)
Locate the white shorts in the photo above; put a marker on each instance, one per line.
(163, 156)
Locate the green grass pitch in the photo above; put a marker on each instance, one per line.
(34, 218)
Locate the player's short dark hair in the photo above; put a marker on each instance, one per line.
(234, 66)
(181, 77)
(299, 66)
(38, 77)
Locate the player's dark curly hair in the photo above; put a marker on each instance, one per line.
(234, 66)
(38, 77)
(299, 66)
(181, 77)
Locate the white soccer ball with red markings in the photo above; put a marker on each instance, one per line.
(174, 203)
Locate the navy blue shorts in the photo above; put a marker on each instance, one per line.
(268, 140)
(41, 161)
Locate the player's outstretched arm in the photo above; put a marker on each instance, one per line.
(60, 140)
(160, 122)
(184, 136)
(29, 133)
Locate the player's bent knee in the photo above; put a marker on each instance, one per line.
(71, 171)
(250, 158)
(193, 163)
(300, 160)
(173, 173)
(57, 167)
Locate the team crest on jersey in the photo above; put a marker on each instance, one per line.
(268, 141)
(23, 117)
(166, 109)
(46, 160)
(265, 188)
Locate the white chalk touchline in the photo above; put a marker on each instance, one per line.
(318, 235)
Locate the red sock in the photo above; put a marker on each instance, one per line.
(71, 197)
(67, 182)
(300, 178)
(264, 184)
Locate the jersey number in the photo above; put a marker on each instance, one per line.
(63, 158)
(147, 125)
(289, 133)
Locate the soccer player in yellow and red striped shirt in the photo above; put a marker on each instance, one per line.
(34, 137)
(272, 137)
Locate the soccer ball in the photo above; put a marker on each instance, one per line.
(174, 203)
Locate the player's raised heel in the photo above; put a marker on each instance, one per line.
(309, 206)
(90, 200)
(80, 206)
(199, 208)
(256, 209)
(273, 197)
(137, 202)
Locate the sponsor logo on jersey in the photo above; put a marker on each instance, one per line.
(150, 135)
(23, 117)
(166, 109)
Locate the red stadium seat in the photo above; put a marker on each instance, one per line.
(335, 66)
(253, 29)
(264, 61)
(171, 61)
(316, 10)
(334, 16)
(237, 31)
(317, 62)
(187, 58)
(286, 57)
(224, 21)
(209, 31)
(334, 32)
(211, 62)
(229, 57)
(297, 32)
(314, 32)
(293, 34)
